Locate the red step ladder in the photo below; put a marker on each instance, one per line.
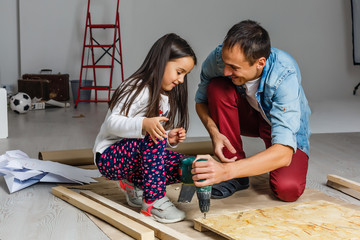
(108, 49)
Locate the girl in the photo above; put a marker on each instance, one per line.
(131, 144)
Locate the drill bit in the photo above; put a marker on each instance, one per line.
(204, 215)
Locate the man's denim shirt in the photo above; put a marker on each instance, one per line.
(280, 96)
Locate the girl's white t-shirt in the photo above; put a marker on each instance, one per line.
(117, 126)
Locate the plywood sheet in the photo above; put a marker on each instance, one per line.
(309, 220)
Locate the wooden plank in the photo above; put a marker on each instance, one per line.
(161, 231)
(344, 185)
(318, 220)
(121, 222)
(112, 232)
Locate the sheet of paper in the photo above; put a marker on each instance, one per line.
(20, 171)
(50, 177)
(14, 185)
(23, 174)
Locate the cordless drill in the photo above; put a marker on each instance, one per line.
(203, 193)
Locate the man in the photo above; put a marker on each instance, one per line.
(249, 88)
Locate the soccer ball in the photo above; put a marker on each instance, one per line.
(20, 102)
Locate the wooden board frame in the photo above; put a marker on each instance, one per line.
(112, 232)
(130, 227)
(161, 231)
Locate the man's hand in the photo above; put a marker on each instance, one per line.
(211, 170)
(219, 142)
(176, 135)
(154, 128)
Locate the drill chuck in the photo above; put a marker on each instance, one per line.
(204, 201)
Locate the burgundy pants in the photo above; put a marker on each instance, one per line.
(234, 117)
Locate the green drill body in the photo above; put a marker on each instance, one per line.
(203, 193)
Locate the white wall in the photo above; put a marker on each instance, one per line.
(316, 33)
(8, 44)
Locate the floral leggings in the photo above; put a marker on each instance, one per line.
(147, 165)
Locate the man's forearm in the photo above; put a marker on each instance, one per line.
(274, 157)
(204, 115)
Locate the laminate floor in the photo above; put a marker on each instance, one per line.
(69, 128)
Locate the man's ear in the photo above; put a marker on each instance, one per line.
(261, 63)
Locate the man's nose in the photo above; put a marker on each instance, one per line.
(227, 71)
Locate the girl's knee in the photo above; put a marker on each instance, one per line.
(148, 143)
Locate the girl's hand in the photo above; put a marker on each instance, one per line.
(176, 135)
(154, 128)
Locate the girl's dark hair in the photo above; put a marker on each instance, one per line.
(150, 75)
(253, 40)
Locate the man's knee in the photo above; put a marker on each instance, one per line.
(288, 191)
(223, 87)
(219, 84)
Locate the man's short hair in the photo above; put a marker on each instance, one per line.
(253, 40)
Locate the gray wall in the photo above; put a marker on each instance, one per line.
(316, 33)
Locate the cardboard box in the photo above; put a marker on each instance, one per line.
(38, 106)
